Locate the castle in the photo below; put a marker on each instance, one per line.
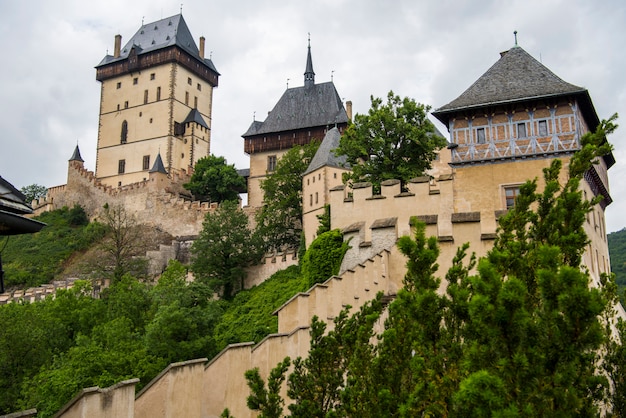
(504, 129)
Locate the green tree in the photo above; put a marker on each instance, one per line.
(323, 257)
(224, 248)
(280, 219)
(33, 192)
(267, 400)
(395, 140)
(215, 180)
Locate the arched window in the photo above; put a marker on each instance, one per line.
(124, 135)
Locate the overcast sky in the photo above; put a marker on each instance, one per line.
(427, 50)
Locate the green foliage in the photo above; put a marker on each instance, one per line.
(215, 180)
(324, 219)
(224, 248)
(280, 219)
(248, 317)
(395, 140)
(34, 259)
(33, 192)
(323, 257)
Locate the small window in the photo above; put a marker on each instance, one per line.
(480, 135)
(118, 106)
(145, 96)
(152, 76)
(119, 84)
(158, 94)
(310, 200)
(510, 194)
(334, 175)
(146, 162)
(189, 80)
(199, 87)
(271, 163)
(126, 104)
(195, 102)
(521, 130)
(121, 166)
(316, 198)
(124, 133)
(150, 120)
(135, 80)
(543, 128)
(187, 98)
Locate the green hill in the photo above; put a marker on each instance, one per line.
(617, 251)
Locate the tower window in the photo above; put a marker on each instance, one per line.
(126, 104)
(121, 166)
(187, 98)
(189, 80)
(271, 163)
(152, 76)
(145, 96)
(195, 102)
(480, 135)
(158, 94)
(119, 84)
(118, 106)
(135, 80)
(146, 162)
(316, 198)
(124, 133)
(199, 87)
(521, 130)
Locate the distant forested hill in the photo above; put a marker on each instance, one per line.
(617, 251)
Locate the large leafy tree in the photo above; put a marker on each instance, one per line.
(519, 333)
(280, 219)
(215, 180)
(224, 248)
(395, 140)
(33, 191)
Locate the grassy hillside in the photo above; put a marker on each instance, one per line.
(617, 251)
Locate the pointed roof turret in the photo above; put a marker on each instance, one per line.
(309, 74)
(76, 155)
(515, 77)
(196, 117)
(325, 155)
(158, 166)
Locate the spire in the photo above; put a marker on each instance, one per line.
(158, 166)
(76, 155)
(309, 75)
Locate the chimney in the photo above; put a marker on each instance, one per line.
(201, 52)
(118, 46)
(349, 109)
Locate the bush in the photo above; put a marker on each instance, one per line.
(323, 258)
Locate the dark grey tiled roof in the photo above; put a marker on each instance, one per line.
(195, 116)
(11, 199)
(325, 155)
(158, 166)
(76, 155)
(161, 34)
(301, 108)
(244, 172)
(515, 77)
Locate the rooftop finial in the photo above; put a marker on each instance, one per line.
(332, 73)
(515, 35)
(181, 8)
(309, 74)
(287, 83)
(142, 18)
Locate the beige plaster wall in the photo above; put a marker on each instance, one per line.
(116, 401)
